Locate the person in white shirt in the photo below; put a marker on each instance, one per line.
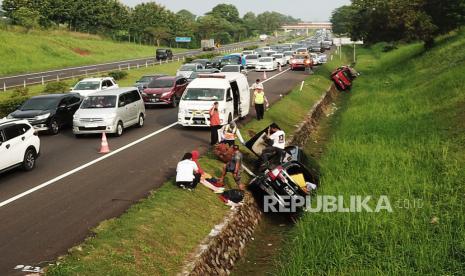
(256, 85)
(187, 172)
(277, 139)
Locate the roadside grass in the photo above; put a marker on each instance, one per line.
(158, 234)
(45, 50)
(401, 134)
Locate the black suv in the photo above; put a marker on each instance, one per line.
(164, 54)
(49, 112)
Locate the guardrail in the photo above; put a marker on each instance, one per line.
(61, 75)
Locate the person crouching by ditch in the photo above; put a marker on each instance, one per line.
(214, 123)
(229, 133)
(187, 172)
(234, 166)
(259, 101)
(277, 140)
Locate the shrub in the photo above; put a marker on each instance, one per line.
(56, 87)
(202, 56)
(9, 105)
(20, 92)
(118, 75)
(252, 47)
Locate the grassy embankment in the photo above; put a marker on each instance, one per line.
(156, 236)
(45, 50)
(401, 134)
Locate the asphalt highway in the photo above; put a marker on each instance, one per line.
(38, 227)
(52, 75)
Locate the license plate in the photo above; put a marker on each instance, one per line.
(154, 100)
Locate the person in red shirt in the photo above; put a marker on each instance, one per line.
(214, 123)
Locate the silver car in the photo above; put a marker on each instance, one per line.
(109, 111)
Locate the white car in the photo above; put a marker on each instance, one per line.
(19, 147)
(187, 69)
(266, 64)
(288, 55)
(323, 58)
(315, 58)
(251, 60)
(280, 59)
(88, 86)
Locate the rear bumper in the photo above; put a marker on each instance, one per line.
(94, 129)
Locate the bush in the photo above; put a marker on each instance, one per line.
(20, 92)
(9, 105)
(389, 47)
(252, 47)
(118, 75)
(56, 87)
(202, 56)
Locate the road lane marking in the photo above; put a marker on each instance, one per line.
(108, 155)
(80, 168)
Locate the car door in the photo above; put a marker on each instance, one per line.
(5, 157)
(123, 108)
(133, 106)
(62, 114)
(182, 87)
(14, 144)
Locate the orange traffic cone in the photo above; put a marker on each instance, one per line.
(264, 75)
(104, 145)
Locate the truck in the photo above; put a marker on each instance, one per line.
(207, 44)
(230, 90)
(263, 37)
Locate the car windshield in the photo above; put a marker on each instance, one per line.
(288, 53)
(230, 69)
(145, 79)
(188, 67)
(87, 85)
(265, 59)
(161, 51)
(251, 57)
(203, 94)
(161, 83)
(278, 56)
(39, 104)
(99, 102)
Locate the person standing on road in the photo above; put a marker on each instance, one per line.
(214, 123)
(259, 101)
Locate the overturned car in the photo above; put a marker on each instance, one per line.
(284, 183)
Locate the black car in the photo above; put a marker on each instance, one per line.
(49, 112)
(206, 63)
(164, 54)
(285, 178)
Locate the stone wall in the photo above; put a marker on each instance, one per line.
(225, 244)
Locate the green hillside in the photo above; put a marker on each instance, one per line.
(400, 133)
(44, 50)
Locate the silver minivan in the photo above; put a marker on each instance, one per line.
(109, 111)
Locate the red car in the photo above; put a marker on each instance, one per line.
(300, 62)
(164, 90)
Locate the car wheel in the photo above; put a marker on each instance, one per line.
(174, 102)
(53, 127)
(29, 161)
(141, 121)
(119, 129)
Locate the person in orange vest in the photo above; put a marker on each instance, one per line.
(229, 134)
(215, 123)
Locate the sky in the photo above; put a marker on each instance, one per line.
(307, 10)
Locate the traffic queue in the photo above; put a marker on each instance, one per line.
(100, 106)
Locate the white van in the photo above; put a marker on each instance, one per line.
(230, 90)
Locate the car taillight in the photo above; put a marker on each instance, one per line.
(275, 173)
(307, 61)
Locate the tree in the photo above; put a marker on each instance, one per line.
(27, 18)
(341, 19)
(226, 11)
(159, 33)
(186, 15)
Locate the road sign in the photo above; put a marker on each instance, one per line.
(183, 39)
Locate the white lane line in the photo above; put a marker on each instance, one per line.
(80, 168)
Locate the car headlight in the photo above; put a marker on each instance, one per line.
(42, 117)
(165, 94)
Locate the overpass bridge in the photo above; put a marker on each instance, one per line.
(306, 26)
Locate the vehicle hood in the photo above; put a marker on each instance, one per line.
(197, 105)
(84, 92)
(265, 63)
(22, 114)
(157, 90)
(95, 112)
(185, 74)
